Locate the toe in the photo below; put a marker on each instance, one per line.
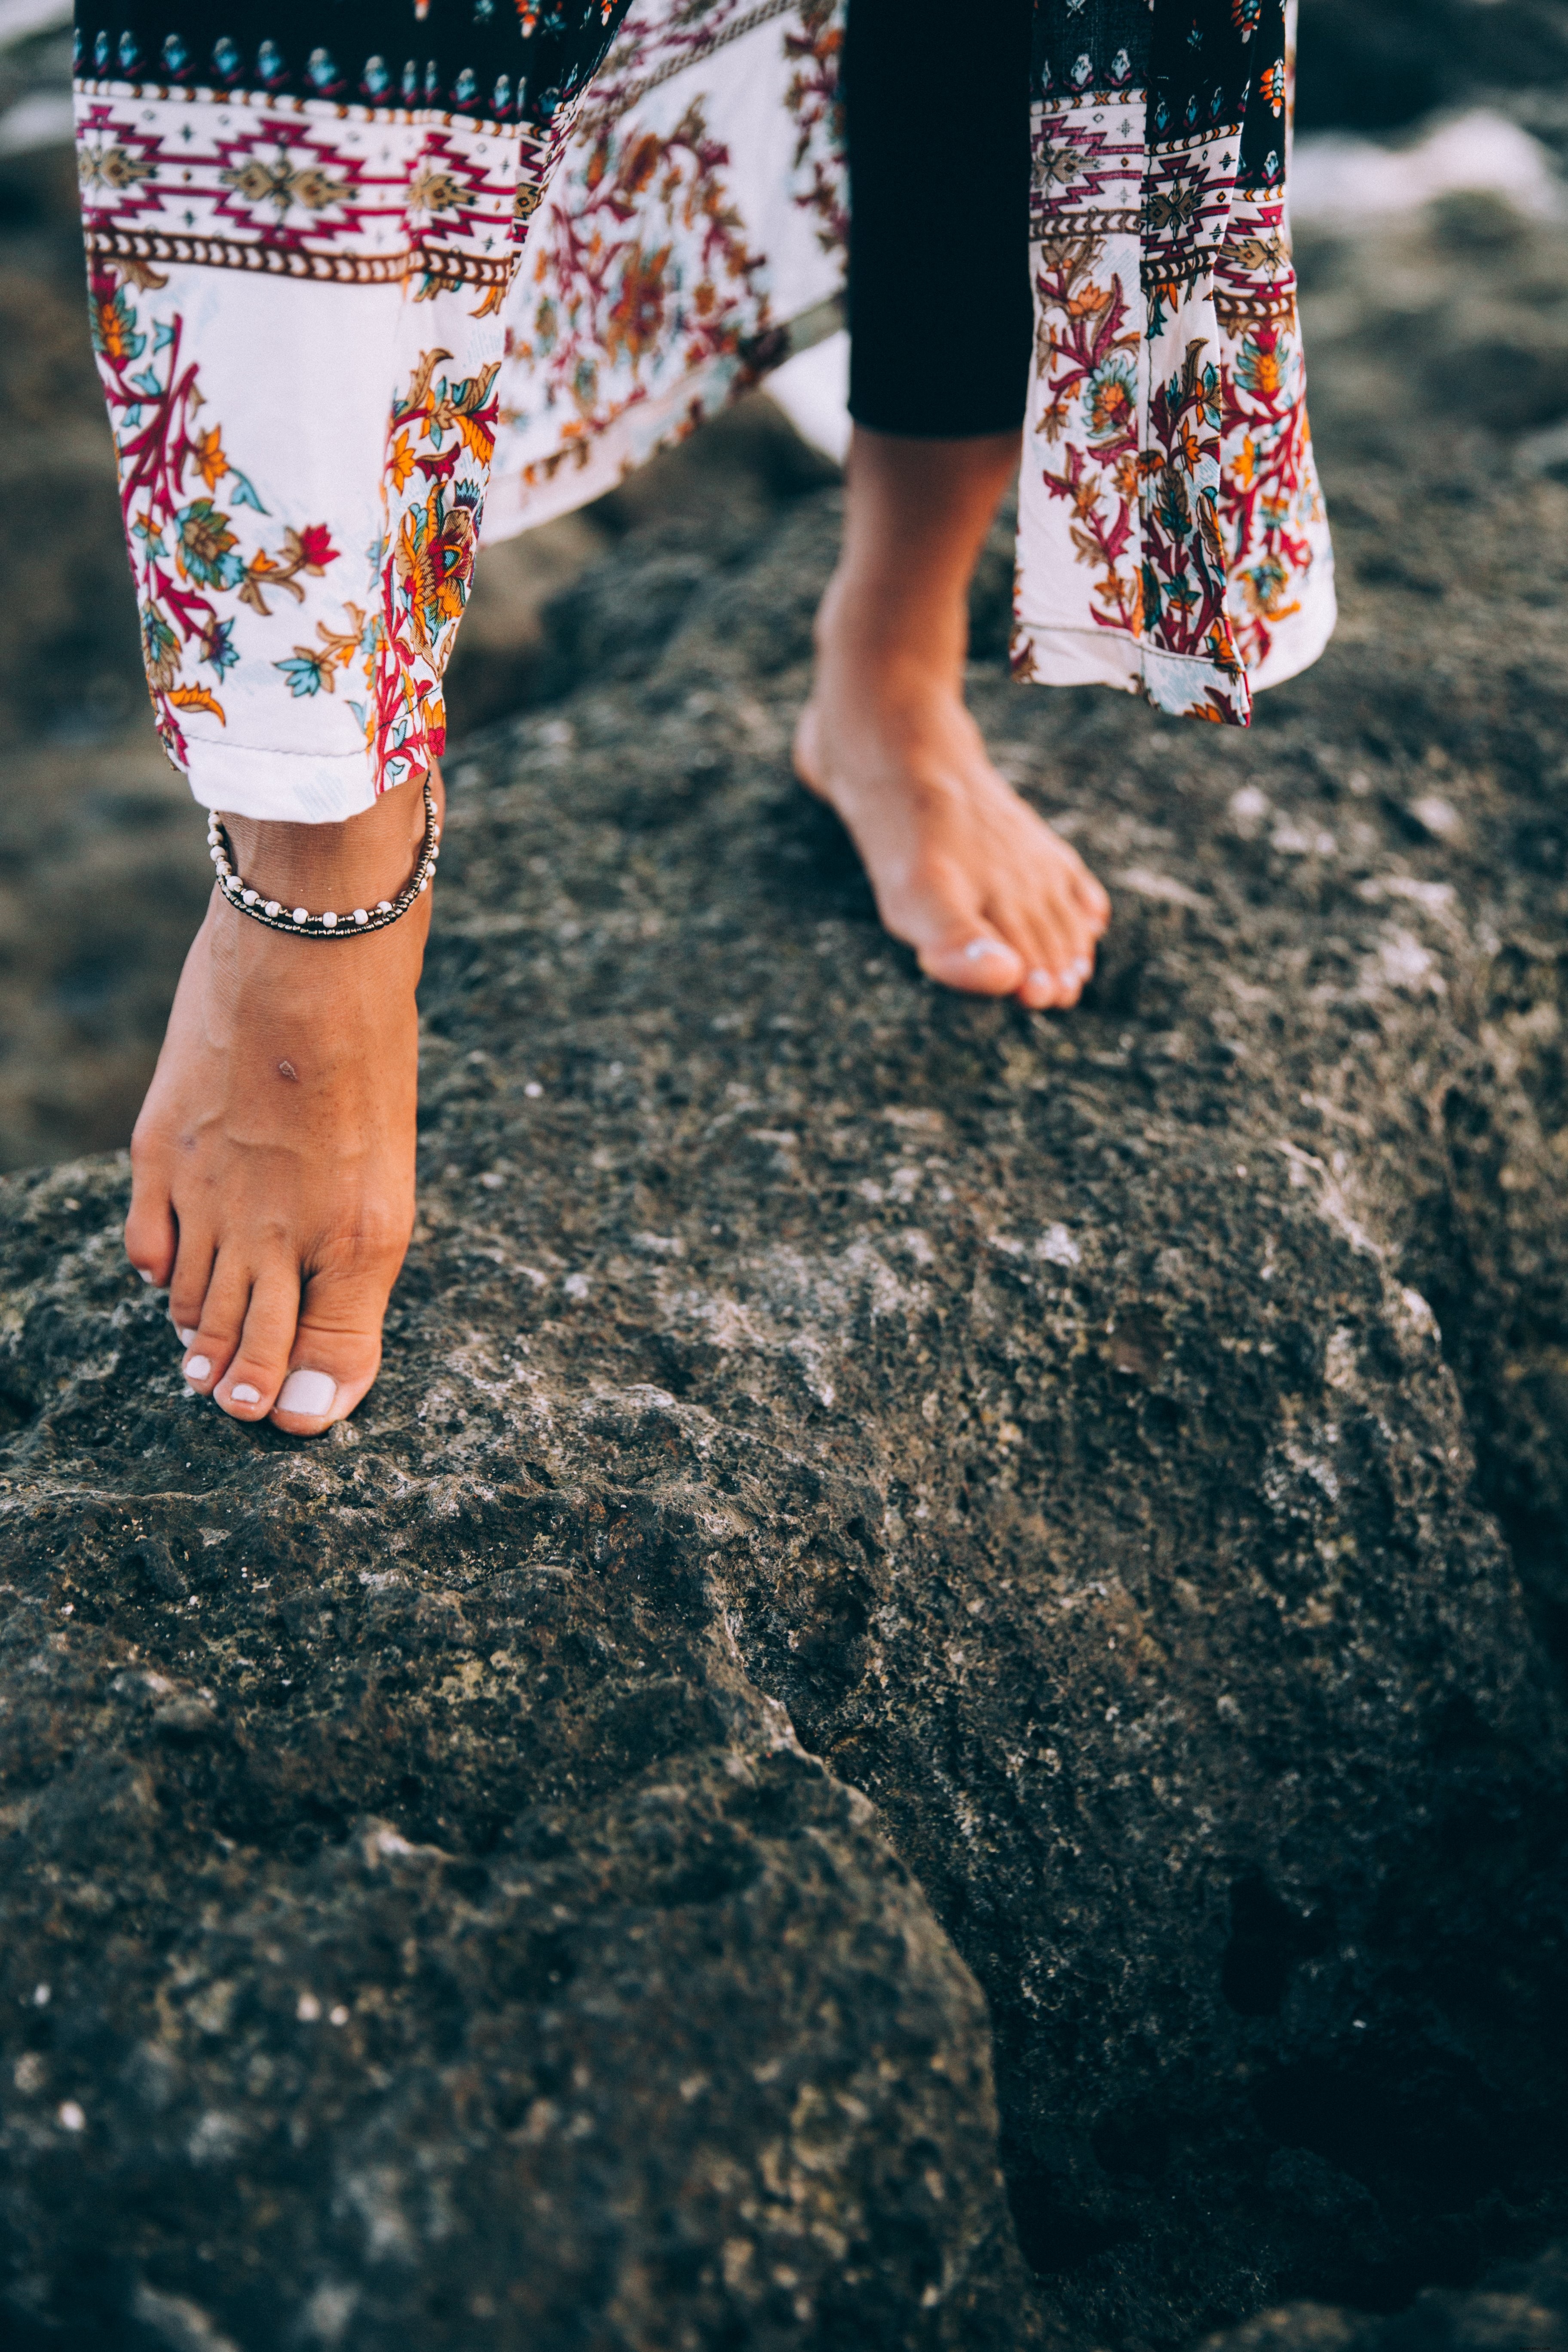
(937, 907)
(980, 963)
(214, 1332)
(1089, 896)
(151, 1236)
(190, 1279)
(1047, 944)
(258, 1365)
(1043, 989)
(336, 1351)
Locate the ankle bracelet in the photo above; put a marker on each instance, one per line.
(297, 921)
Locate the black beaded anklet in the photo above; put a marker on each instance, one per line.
(297, 921)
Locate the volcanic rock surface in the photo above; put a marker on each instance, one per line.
(926, 1708)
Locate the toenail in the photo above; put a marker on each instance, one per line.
(187, 1339)
(1080, 968)
(197, 1368)
(1042, 979)
(243, 1393)
(146, 1274)
(308, 1393)
(978, 948)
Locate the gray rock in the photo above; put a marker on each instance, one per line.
(1127, 1451)
(1377, 68)
(929, 1596)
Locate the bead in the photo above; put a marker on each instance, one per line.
(423, 883)
(272, 908)
(250, 897)
(301, 915)
(361, 916)
(330, 921)
(383, 906)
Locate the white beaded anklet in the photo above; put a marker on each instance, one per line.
(297, 921)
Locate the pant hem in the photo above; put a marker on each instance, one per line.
(280, 786)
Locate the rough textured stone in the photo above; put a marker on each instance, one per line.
(925, 1589)
(1127, 1450)
(1527, 2305)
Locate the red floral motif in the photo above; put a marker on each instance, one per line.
(815, 100)
(1270, 493)
(1183, 554)
(184, 552)
(1199, 524)
(618, 302)
(1089, 363)
(443, 429)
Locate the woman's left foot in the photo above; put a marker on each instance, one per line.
(990, 899)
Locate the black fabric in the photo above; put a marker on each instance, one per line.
(506, 60)
(940, 321)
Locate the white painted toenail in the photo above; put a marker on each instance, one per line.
(197, 1367)
(187, 1339)
(243, 1393)
(1042, 979)
(308, 1393)
(1080, 968)
(978, 948)
(146, 1274)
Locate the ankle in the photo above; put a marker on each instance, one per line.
(365, 858)
(904, 642)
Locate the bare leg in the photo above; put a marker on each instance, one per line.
(990, 899)
(273, 1161)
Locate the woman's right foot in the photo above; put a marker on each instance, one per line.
(272, 1165)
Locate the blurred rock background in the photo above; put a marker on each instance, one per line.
(1433, 236)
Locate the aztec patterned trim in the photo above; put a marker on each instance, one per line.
(1187, 194)
(439, 272)
(304, 189)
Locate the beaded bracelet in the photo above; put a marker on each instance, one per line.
(297, 921)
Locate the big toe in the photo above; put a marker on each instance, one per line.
(980, 963)
(939, 911)
(336, 1352)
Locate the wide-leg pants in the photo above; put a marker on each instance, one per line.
(376, 281)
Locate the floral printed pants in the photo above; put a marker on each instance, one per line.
(376, 281)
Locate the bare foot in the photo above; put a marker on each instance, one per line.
(272, 1164)
(990, 899)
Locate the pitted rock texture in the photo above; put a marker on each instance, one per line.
(1127, 1450)
(925, 1589)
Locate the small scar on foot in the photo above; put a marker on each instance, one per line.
(287, 1070)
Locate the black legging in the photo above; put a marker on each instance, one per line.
(938, 127)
